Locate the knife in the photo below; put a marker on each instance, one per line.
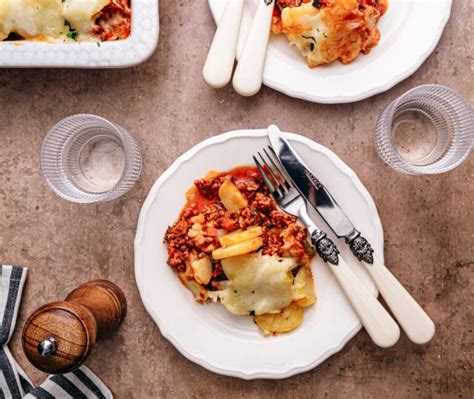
(415, 322)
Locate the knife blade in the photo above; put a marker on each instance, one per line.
(318, 196)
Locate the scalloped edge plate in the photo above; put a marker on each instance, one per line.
(116, 54)
(236, 348)
(417, 22)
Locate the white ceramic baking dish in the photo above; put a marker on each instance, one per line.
(117, 54)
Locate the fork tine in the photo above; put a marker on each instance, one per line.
(288, 179)
(267, 181)
(278, 168)
(277, 183)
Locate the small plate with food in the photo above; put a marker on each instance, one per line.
(229, 278)
(77, 33)
(340, 51)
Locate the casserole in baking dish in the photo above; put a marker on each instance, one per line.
(77, 33)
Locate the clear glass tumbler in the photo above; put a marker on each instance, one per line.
(427, 130)
(85, 159)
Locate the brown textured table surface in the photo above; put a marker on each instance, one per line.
(428, 221)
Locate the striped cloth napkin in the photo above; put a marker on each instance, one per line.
(82, 383)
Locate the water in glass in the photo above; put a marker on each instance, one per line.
(86, 158)
(429, 129)
(416, 137)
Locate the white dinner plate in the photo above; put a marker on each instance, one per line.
(209, 335)
(410, 30)
(113, 54)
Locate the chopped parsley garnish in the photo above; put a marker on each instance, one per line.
(72, 32)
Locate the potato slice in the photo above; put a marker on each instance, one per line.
(239, 236)
(238, 249)
(212, 174)
(303, 288)
(231, 197)
(288, 319)
(191, 194)
(299, 284)
(202, 269)
(198, 291)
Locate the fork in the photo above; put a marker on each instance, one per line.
(380, 326)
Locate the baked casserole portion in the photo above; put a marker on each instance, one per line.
(232, 244)
(329, 30)
(64, 20)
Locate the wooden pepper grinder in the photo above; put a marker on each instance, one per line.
(58, 337)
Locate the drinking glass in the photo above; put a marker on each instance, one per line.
(427, 130)
(85, 159)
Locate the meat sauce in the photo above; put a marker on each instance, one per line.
(204, 192)
(380, 5)
(204, 219)
(114, 21)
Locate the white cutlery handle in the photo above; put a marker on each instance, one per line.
(415, 322)
(248, 74)
(219, 64)
(376, 320)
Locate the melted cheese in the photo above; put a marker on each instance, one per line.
(79, 13)
(305, 28)
(4, 7)
(30, 18)
(258, 284)
(34, 19)
(340, 30)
